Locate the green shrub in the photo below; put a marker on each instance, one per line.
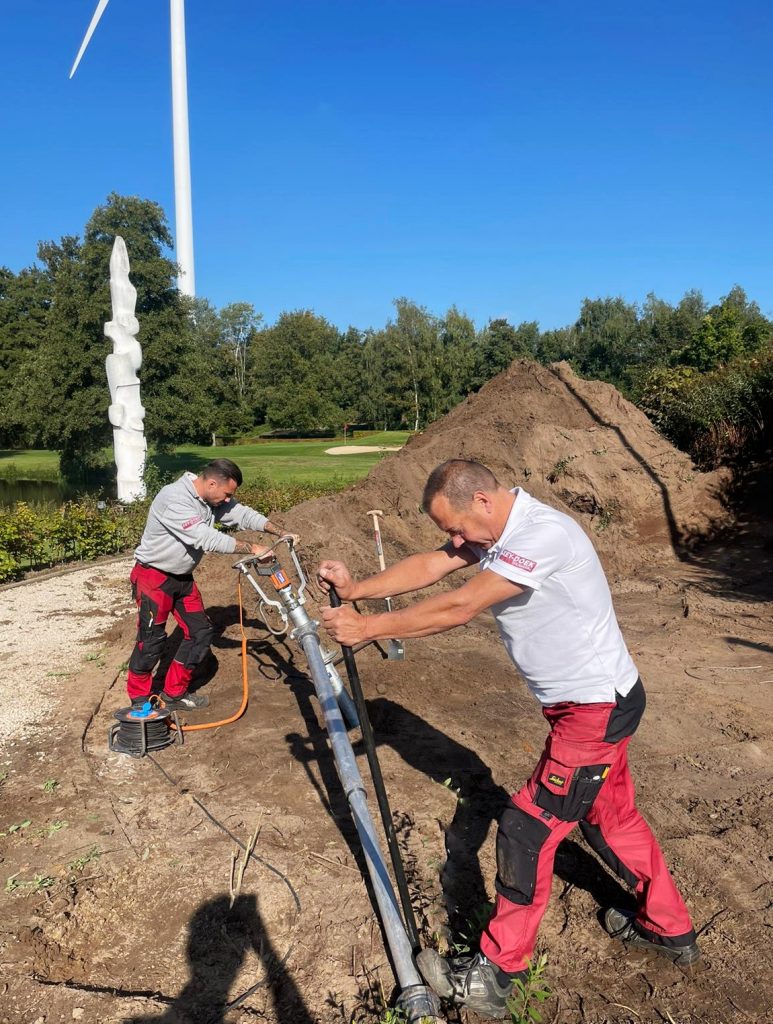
(261, 494)
(10, 567)
(721, 416)
(85, 529)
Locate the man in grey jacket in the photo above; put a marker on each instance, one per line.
(180, 528)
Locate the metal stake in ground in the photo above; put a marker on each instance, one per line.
(395, 648)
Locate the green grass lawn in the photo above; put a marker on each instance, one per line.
(28, 464)
(279, 461)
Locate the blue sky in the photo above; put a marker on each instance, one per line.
(510, 157)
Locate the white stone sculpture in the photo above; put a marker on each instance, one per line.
(126, 412)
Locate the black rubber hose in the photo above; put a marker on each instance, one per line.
(378, 784)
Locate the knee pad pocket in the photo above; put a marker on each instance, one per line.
(195, 648)
(148, 650)
(520, 839)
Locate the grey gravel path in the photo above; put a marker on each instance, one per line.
(48, 628)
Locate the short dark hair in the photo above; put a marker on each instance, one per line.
(222, 469)
(458, 480)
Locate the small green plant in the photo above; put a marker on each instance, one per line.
(3, 776)
(456, 790)
(607, 515)
(393, 1015)
(39, 883)
(534, 990)
(53, 827)
(50, 785)
(469, 938)
(80, 862)
(16, 827)
(560, 468)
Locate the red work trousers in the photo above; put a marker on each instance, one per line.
(157, 595)
(581, 779)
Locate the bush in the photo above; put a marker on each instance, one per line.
(86, 529)
(721, 416)
(281, 434)
(10, 567)
(261, 494)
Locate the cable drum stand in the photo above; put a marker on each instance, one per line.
(416, 1000)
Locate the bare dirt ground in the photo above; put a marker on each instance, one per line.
(117, 904)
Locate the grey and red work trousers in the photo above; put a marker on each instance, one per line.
(159, 594)
(581, 779)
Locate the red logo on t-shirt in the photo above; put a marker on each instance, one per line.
(517, 560)
(191, 522)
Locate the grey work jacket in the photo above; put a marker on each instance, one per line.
(180, 527)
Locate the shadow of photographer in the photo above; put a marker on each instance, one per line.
(220, 938)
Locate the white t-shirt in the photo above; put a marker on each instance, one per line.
(561, 632)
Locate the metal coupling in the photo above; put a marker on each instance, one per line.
(308, 628)
(419, 1003)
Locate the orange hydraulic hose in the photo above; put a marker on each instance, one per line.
(245, 693)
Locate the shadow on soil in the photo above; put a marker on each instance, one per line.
(738, 563)
(678, 538)
(220, 937)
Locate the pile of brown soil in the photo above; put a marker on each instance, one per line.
(575, 444)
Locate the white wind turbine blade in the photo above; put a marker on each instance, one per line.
(89, 33)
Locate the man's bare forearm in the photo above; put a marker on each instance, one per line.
(433, 615)
(412, 573)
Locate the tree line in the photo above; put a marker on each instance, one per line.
(224, 372)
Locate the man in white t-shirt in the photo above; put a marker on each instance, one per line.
(542, 579)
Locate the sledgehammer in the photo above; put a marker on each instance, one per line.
(395, 648)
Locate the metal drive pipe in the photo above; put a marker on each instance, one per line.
(417, 1000)
(369, 743)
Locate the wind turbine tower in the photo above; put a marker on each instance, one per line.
(183, 210)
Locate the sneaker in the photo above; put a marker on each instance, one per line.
(469, 981)
(621, 924)
(185, 702)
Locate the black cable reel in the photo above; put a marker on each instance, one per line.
(139, 731)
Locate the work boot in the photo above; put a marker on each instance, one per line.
(469, 981)
(185, 702)
(621, 924)
(139, 702)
